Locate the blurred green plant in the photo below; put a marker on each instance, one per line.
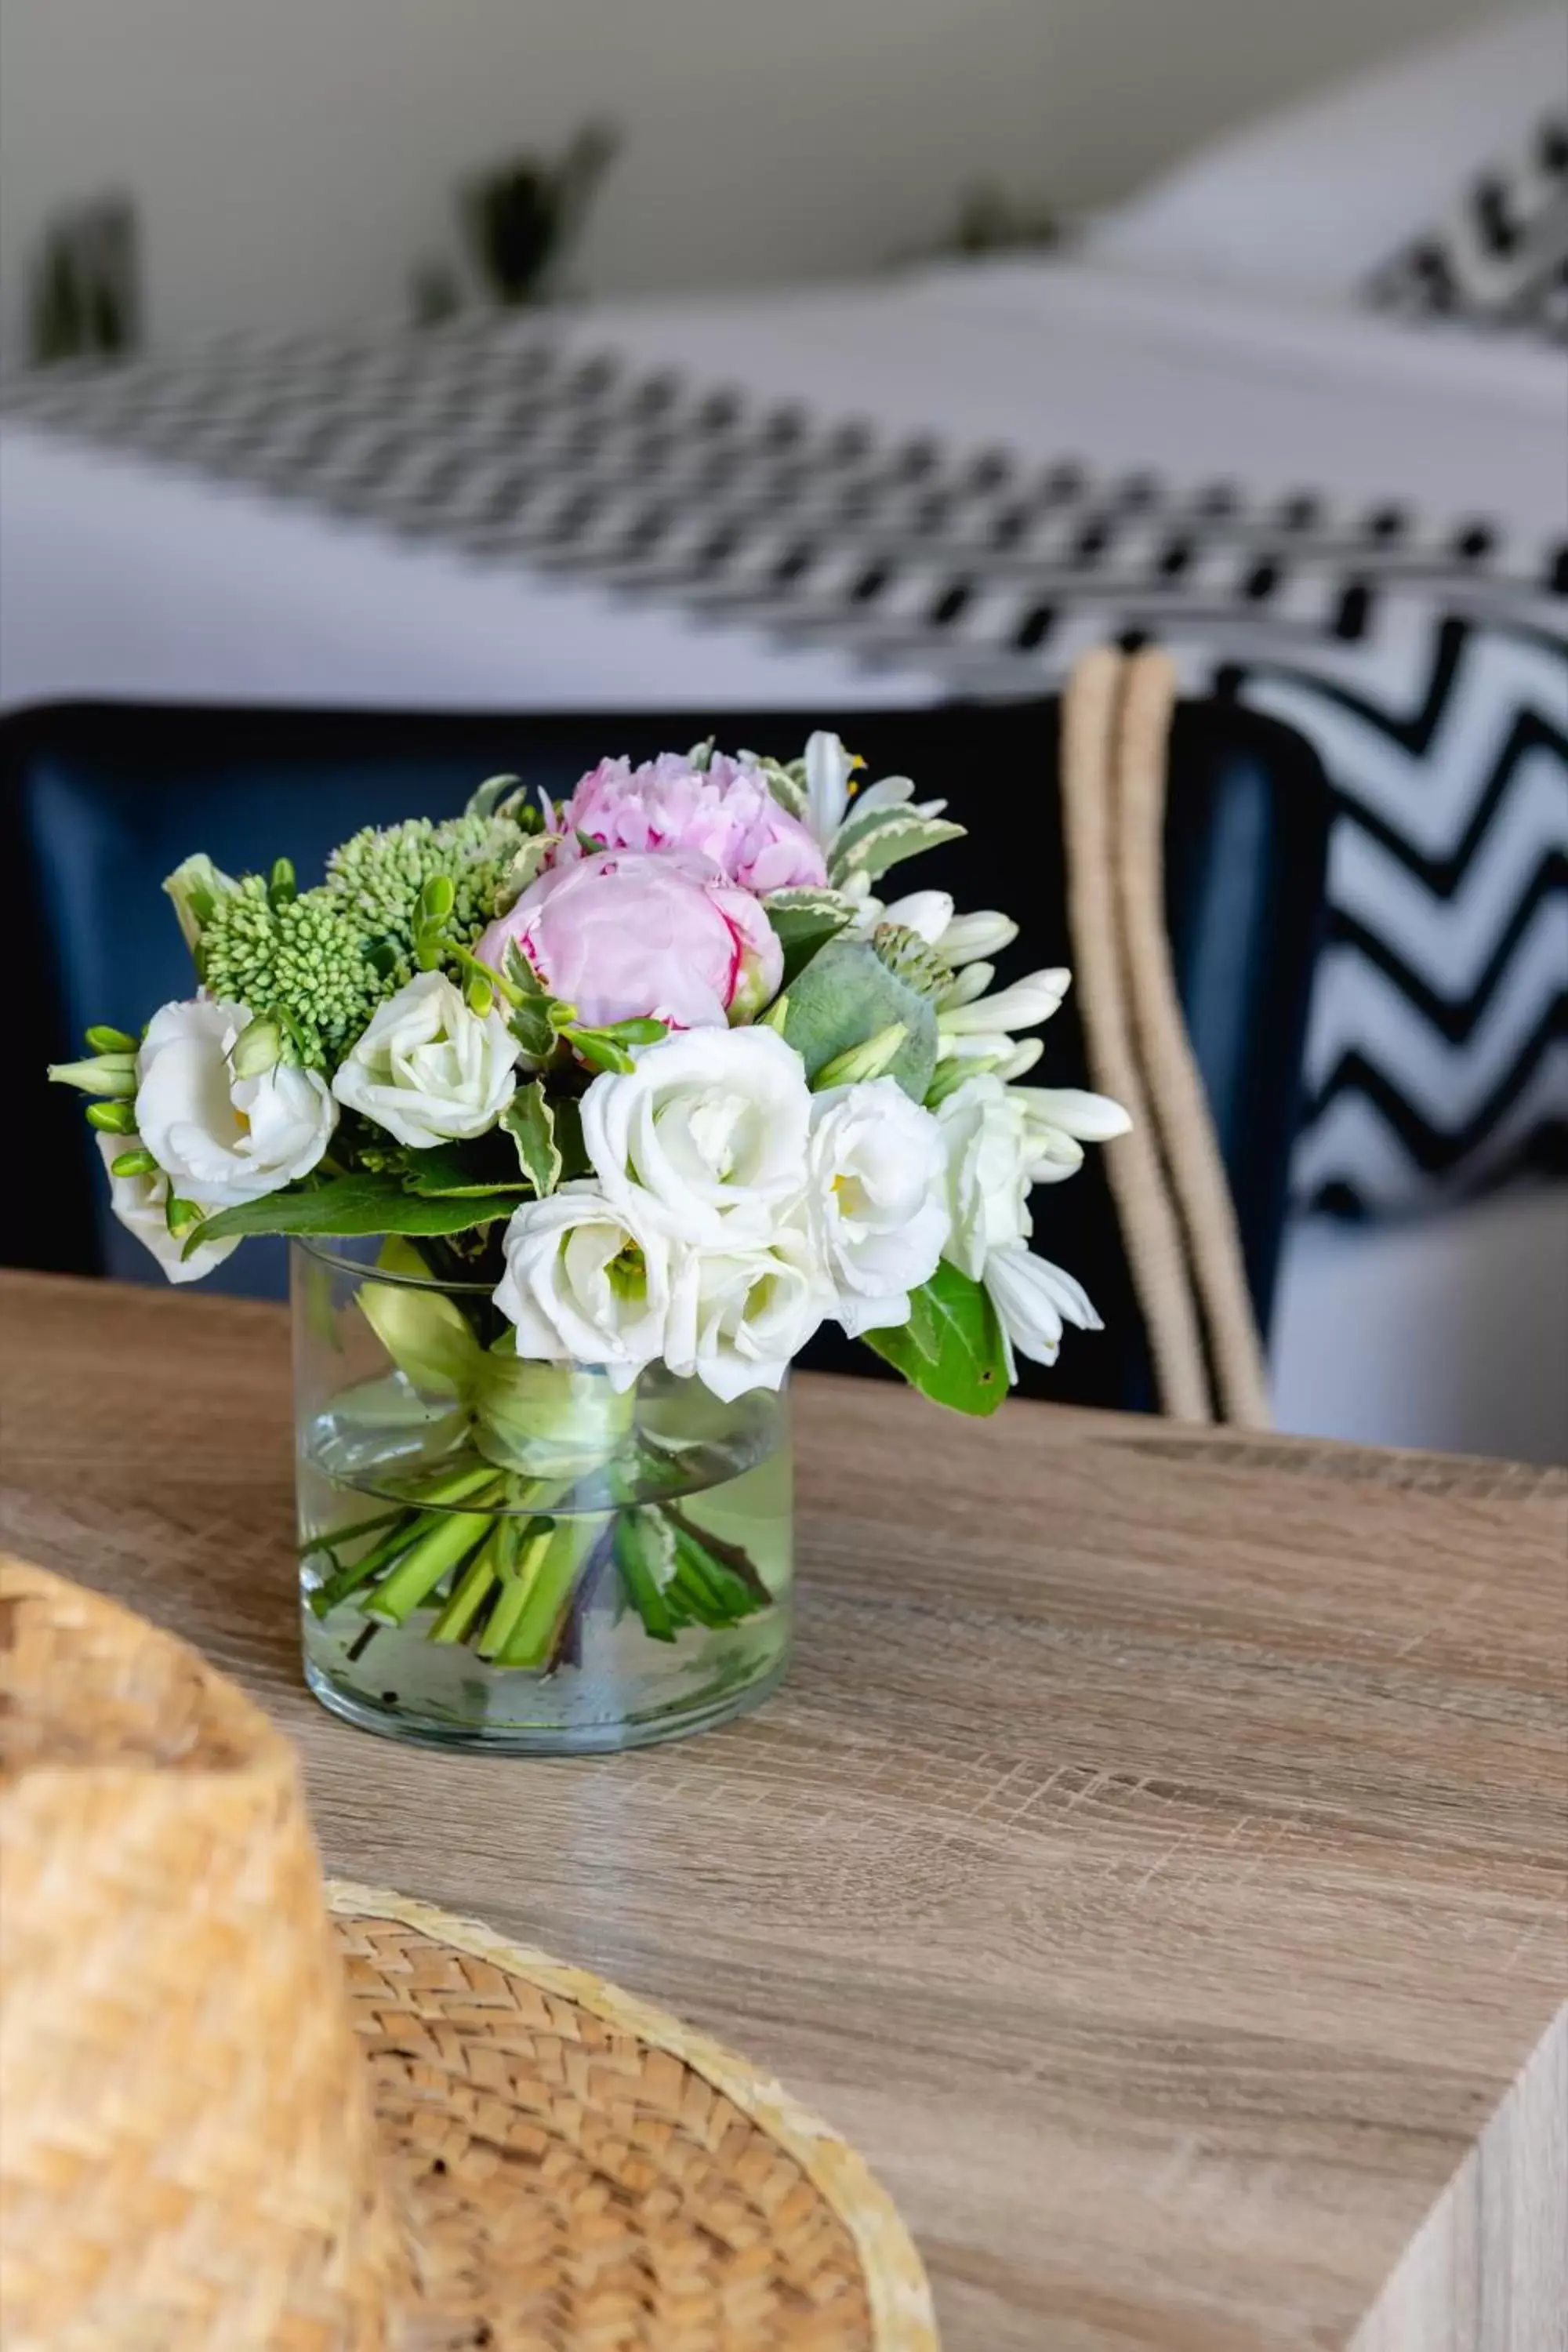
(990, 220)
(84, 287)
(519, 220)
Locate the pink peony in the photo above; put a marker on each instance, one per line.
(629, 933)
(725, 813)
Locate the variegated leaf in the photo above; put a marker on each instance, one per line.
(804, 919)
(788, 790)
(869, 844)
(531, 1123)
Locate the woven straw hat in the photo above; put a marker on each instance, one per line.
(237, 2113)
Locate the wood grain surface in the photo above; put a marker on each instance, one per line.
(1156, 1863)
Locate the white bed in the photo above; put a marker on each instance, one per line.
(122, 579)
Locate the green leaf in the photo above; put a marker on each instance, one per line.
(803, 921)
(450, 1172)
(645, 1554)
(532, 1026)
(531, 1123)
(489, 798)
(527, 863)
(521, 972)
(599, 1049)
(870, 843)
(950, 1349)
(846, 995)
(786, 787)
(351, 1205)
(423, 1334)
(574, 1159)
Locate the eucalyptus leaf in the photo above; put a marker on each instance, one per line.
(844, 997)
(349, 1205)
(529, 1121)
(951, 1348)
(870, 841)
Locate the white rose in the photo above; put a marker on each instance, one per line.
(875, 1194)
(428, 1069)
(738, 1317)
(711, 1124)
(223, 1139)
(586, 1281)
(140, 1203)
(986, 1134)
(1033, 1299)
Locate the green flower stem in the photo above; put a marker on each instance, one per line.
(649, 1601)
(375, 1562)
(406, 1527)
(334, 1542)
(472, 1590)
(517, 1574)
(687, 1587)
(446, 1540)
(537, 1625)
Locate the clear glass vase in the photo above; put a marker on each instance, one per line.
(501, 1553)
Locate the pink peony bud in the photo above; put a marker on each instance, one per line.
(725, 812)
(632, 933)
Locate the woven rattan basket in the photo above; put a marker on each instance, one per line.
(232, 2119)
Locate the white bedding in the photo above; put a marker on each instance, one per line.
(119, 579)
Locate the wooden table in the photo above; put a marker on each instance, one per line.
(1154, 1863)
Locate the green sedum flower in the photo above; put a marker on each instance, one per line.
(378, 877)
(303, 960)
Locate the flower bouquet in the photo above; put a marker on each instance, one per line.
(582, 1119)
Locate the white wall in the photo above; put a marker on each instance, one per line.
(291, 158)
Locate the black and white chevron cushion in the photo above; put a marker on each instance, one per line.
(1427, 660)
(1501, 260)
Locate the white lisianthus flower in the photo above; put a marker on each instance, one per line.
(1033, 1299)
(220, 1139)
(140, 1203)
(587, 1281)
(707, 1133)
(428, 1069)
(738, 1317)
(876, 1199)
